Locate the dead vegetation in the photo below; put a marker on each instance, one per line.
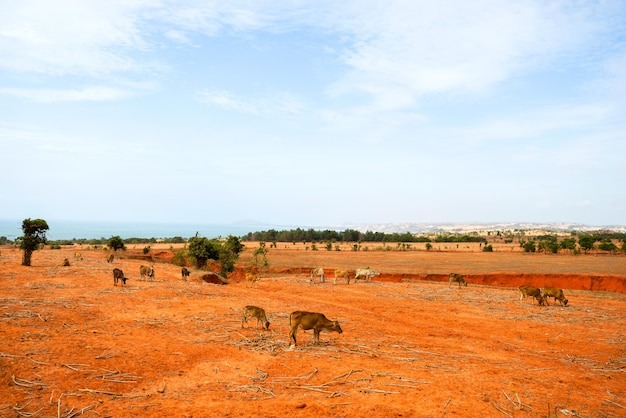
(72, 344)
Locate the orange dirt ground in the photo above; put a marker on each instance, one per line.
(72, 344)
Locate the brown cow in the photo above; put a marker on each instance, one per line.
(110, 258)
(342, 273)
(251, 278)
(311, 320)
(535, 292)
(185, 273)
(118, 275)
(553, 292)
(146, 272)
(255, 312)
(456, 278)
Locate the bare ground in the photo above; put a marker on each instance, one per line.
(73, 344)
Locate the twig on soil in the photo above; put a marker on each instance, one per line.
(253, 388)
(105, 355)
(370, 390)
(499, 408)
(27, 383)
(615, 403)
(18, 410)
(73, 366)
(117, 377)
(117, 395)
(333, 394)
(81, 411)
(102, 392)
(348, 374)
(401, 386)
(8, 355)
(304, 376)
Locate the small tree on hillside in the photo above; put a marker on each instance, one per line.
(586, 242)
(34, 235)
(202, 250)
(116, 243)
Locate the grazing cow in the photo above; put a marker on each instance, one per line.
(78, 256)
(535, 292)
(185, 273)
(251, 278)
(118, 275)
(110, 258)
(146, 272)
(456, 278)
(367, 273)
(255, 312)
(553, 292)
(342, 273)
(317, 272)
(311, 320)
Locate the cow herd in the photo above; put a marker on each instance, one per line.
(366, 274)
(542, 295)
(298, 319)
(317, 321)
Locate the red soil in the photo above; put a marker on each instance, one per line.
(70, 341)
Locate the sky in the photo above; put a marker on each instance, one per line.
(313, 113)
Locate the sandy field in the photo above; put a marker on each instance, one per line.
(73, 344)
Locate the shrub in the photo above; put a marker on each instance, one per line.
(488, 248)
(529, 247)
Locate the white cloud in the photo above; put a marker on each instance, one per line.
(276, 103)
(438, 47)
(93, 94)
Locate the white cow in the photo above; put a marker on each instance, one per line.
(366, 273)
(318, 271)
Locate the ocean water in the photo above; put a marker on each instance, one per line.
(60, 230)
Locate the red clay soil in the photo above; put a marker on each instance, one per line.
(72, 344)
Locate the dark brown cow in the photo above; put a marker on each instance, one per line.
(118, 275)
(555, 293)
(311, 320)
(456, 278)
(255, 312)
(185, 273)
(535, 292)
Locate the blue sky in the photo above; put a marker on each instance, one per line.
(314, 113)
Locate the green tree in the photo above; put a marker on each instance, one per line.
(568, 244)
(116, 243)
(234, 245)
(607, 245)
(202, 250)
(529, 247)
(34, 235)
(586, 242)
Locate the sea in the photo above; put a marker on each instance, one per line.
(67, 230)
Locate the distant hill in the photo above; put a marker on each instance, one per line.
(475, 227)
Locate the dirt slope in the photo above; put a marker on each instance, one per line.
(71, 342)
